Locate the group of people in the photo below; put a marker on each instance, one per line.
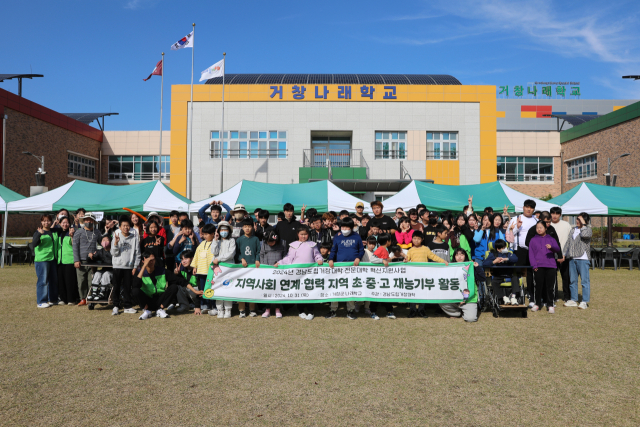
(163, 267)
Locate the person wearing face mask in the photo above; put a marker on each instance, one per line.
(347, 247)
(85, 241)
(238, 214)
(502, 256)
(223, 249)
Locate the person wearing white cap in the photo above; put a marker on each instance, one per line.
(239, 213)
(84, 242)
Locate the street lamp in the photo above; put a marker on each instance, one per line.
(611, 183)
(41, 172)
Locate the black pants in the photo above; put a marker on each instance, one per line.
(499, 291)
(374, 306)
(544, 286)
(523, 260)
(563, 268)
(161, 300)
(122, 280)
(67, 283)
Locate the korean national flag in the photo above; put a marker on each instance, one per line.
(186, 41)
(216, 70)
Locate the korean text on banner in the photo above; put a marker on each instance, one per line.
(311, 283)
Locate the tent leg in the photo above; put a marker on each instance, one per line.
(4, 237)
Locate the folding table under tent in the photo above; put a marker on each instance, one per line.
(6, 196)
(148, 197)
(321, 195)
(454, 197)
(600, 200)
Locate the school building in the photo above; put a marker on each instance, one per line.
(367, 132)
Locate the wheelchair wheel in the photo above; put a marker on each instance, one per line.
(524, 313)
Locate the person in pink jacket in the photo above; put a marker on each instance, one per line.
(302, 251)
(404, 236)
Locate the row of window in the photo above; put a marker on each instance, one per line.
(523, 169)
(584, 167)
(249, 145)
(139, 168)
(81, 167)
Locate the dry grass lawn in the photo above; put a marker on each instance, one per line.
(71, 366)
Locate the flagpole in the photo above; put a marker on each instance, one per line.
(161, 98)
(224, 71)
(193, 39)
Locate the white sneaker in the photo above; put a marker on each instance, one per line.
(130, 310)
(242, 315)
(61, 303)
(203, 310)
(253, 314)
(161, 313)
(114, 312)
(213, 312)
(171, 307)
(43, 305)
(302, 315)
(227, 313)
(551, 310)
(50, 304)
(531, 304)
(571, 303)
(145, 315)
(70, 303)
(221, 313)
(583, 305)
(505, 300)
(310, 316)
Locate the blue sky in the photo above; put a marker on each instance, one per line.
(94, 54)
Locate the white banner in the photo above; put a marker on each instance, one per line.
(310, 283)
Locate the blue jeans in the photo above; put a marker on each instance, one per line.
(47, 287)
(204, 303)
(579, 267)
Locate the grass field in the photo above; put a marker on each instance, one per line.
(71, 366)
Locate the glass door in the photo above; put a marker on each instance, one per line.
(336, 149)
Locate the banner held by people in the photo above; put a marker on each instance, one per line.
(311, 283)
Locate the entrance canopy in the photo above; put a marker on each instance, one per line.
(147, 197)
(7, 196)
(600, 200)
(321, 195)
(454, 197)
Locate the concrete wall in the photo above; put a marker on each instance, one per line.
(132, 143)
(300, 119)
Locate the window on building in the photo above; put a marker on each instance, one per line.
(139, 168)
(442, 145)
(81, 167)
(524, 169)
(584, 167)
(249, 145)
(391, 145)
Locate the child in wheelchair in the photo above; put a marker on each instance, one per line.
(505, 283)
(101, 282)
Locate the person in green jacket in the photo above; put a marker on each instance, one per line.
(45, 246)
(67, 278)
(153, 289)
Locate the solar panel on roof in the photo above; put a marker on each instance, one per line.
(395, 79)
(270, 79)
(325, 79)
(420, 79)
(370, 79)
(246, 79)
(295, 79)
(575, 119)
(347, 79)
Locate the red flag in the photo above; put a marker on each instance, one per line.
(156, 71)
